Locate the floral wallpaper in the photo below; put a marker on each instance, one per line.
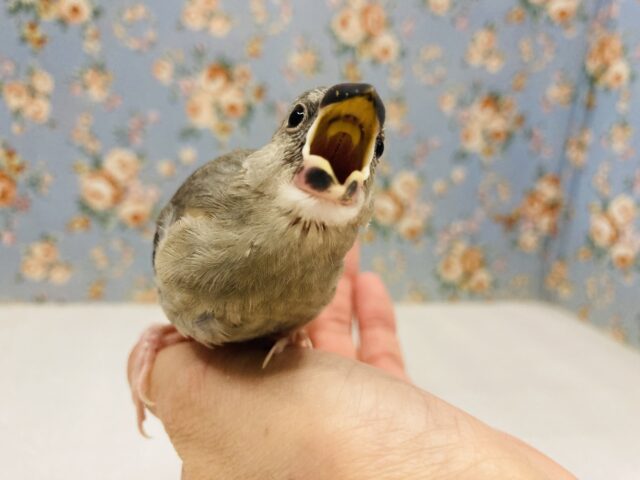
(510, 171)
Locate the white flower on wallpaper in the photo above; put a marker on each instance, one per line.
(557, 280)
(20, 183)
(41, 262)
(561, 91)
(134, 27)
(30, 14)
(396, 113)
(537, 217)
(94, 82)
(488, 124)
(619, 138)
(83, 135)
(27, 98)
(430, 68)
(537, 51)
(210, 16)
(612, 233)
(560, 13)
(463, 270)
(271, 16)
(219, 96)
(577, 147)
(483, 51)
(398, 208)
(163, 70)
(439, 7)
(303, 61)
(110, 191)
(363, 31)
(606, 64)
(207, 15)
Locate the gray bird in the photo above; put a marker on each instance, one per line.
(252, 244)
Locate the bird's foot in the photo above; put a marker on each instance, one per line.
(153, 339)
(298, 338)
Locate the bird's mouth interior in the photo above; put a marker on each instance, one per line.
(344, 135)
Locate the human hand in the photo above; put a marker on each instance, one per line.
(364, 298)
(318, 415)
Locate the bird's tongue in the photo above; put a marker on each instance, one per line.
(340, 141)
(338, 150)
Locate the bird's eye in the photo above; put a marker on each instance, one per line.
(297, 116)
(379, 147)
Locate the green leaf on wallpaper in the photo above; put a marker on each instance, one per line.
(246, 120)
(121, 135)
(381, 230)
(225, 62)
(34, 181)
(96, 161)
(598, 252)
(507, 143)
(342, 49)
(14, 8)
(63, 25)
(199, 54)
(270, 108)
(460, 156)
(174, 96)
(188, 133)
(181, 70)
(531, 9)
(104, 219)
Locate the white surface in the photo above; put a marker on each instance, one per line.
(528, 369)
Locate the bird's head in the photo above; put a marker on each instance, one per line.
(328, 147)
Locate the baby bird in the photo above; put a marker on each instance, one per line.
(252, 244)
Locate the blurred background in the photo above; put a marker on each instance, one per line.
(510, 171)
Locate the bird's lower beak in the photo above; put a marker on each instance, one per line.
(340, 143)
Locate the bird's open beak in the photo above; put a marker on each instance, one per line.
(341, 141)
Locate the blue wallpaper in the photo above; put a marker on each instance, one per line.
(510, 170)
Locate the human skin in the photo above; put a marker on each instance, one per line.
(340, 411)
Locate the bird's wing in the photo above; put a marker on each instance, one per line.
(204, 192)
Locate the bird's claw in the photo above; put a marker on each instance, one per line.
(299, 338)
(153, 339)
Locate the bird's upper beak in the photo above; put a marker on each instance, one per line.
(341, 142)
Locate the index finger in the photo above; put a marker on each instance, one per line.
(352, 262)
(379, 345)
(331, 329)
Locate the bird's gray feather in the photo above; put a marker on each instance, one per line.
(204, 190)
(232, 262)
(231, 266)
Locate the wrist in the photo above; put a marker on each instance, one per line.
(401, 432)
